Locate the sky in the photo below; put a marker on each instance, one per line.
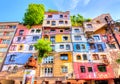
(13, 10)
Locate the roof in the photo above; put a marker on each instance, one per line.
(57, 12)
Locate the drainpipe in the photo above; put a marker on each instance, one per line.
(109, 23)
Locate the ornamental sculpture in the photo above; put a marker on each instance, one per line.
(32, 63)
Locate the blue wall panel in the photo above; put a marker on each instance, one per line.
(17, 58)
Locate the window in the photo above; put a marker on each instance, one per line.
(82, 46)
(76, 30)
(12, 58)
(12, 26)
(64, 69)
(92, 46)
(64, 56)
(48, 59)
(78, 46)
(84, 57)
(61, 46)
(49, 16)
(53, 23)
(46, 37)
(104, 37)
(61, 16)
(77, 38)
(78, 57)
(61, 30)
(48, 71)
(65, 38)
(89, 25)
(38, 31)
(61, 22)
(52, 39)
(4, 41)
(13, 47)
(112, 46)
(21, 32)
(24, 38)
(66, 22)
(35, 38)
(21, 47)
(18, 39)
(52, 30)
(82, 68)
(2, 26)
(100, 48)
(53, 47)
(48, 22)
(67, 29)
(65, 15)
(98, 21)
(102, 68)
(67, 47)
(31, 47)
(90, 69)
(95, 57)
(104, 56)
(32, 31)
(96, 38)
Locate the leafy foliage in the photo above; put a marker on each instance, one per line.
(77, 20)
(118, 60)
(34, 15)
(43, 47)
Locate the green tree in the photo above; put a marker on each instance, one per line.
(43, 47)
(34, 14)
(78, 20)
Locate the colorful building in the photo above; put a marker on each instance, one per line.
(7, 31)
(22, 47)
(80, 55)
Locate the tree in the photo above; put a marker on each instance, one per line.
(34, 14)
(43, 47)
(77, 20)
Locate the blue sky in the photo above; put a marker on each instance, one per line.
(13, 10)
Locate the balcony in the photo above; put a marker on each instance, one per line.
(3, 45)
(6, 29)
(6, 37)
(56, 23)
(47, 75)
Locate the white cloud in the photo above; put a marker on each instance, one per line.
(74, 3)
(86, 2)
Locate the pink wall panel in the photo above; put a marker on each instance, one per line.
(96, 74)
